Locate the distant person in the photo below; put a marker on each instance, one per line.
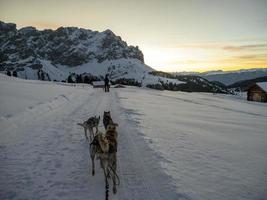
(106, 83)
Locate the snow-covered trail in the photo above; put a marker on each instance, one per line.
(172, 145)
(45, 155)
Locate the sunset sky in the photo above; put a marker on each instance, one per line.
(174, 35)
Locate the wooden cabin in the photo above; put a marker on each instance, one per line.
(257, 92)
(98, 84)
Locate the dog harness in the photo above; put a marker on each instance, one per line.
(112, 145)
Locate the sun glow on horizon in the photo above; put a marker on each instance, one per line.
(199, 59)
(169, 59)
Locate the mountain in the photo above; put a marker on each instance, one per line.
(71, 53)
(191, 83)
(67, 50)
(230, 77)
(243, 85)
(71, 47)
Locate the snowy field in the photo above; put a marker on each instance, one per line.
(213, 147)
(172, 145)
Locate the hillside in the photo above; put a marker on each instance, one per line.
(230, 77)
(191, 83)
(243, 85)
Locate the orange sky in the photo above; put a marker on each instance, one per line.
(174, 35)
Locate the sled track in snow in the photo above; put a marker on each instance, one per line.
(140, 174)
(51, 158)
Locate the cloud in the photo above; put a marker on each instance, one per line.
(200, 46)
(226, 47)
(254, 57)
(245, 47)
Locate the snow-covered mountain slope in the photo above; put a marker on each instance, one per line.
(244, 85)
(191, 83)
(230, 77)
(171, 145)
(55, 54)
(120, 68)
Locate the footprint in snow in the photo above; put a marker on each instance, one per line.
(58, 165)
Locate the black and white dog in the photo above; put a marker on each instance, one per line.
(90, 124)
(107, 119)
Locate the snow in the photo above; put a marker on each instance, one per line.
(120, 68)
(263, 85)
(213, 146)
(18, 95)
(53, 71)
(172, 145)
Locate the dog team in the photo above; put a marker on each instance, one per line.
(103, 147)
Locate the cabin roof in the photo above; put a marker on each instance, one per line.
(98, 83)
(262, 85)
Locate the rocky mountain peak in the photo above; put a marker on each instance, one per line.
(6, 27)
(69, 46)
(27, 30)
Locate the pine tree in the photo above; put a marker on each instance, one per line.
(79, 78)
(86, 80)
(14, 74)
(70, 79)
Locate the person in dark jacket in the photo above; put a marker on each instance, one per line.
(106, 83)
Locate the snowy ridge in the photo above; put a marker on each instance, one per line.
(230, 77)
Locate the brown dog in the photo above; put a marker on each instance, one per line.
(105, 147)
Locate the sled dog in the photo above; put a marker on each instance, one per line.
(107, 119)
(105, 148)
(89, 125)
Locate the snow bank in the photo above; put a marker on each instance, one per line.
(24, 100)
(30, 93)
